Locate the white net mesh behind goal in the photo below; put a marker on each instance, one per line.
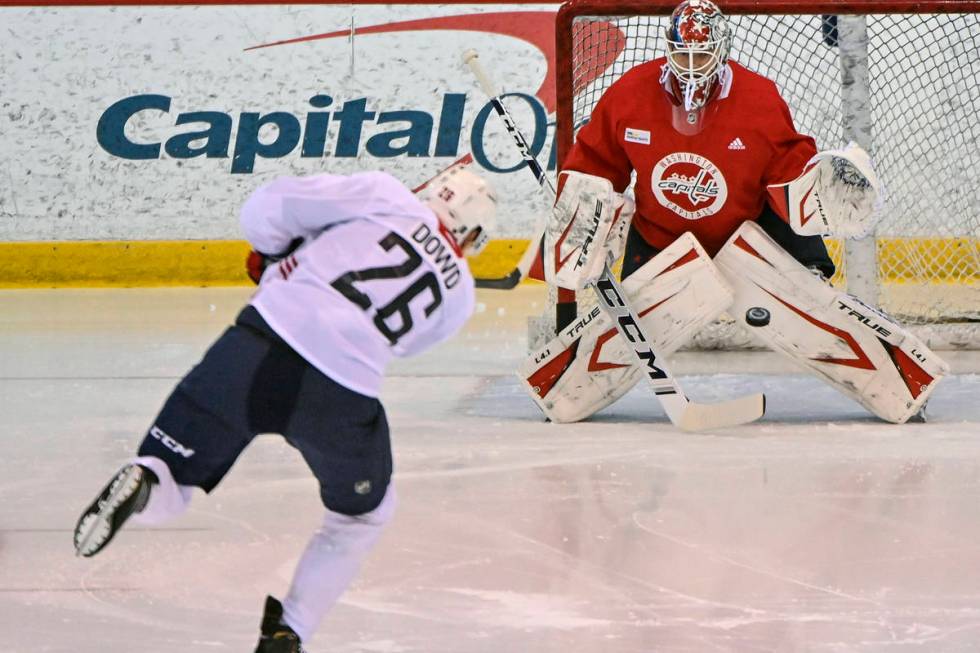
(904, 85)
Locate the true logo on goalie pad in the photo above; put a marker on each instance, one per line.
(863, 319)
(583, 257)
(582, 322)
(689, 185)
(818, 210)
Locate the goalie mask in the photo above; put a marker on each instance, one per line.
(465, 205)
(699, 40)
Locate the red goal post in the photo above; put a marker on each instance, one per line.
(900, 78)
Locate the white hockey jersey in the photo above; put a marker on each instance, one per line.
(375, 277)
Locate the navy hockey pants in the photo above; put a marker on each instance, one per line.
(250, 382)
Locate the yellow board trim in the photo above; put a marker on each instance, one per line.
(89, 264)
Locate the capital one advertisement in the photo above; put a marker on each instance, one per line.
(142, 123)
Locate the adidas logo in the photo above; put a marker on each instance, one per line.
(737, 144)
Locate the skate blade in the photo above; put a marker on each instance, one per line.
(95, 529)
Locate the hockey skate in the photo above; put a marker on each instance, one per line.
(276, 637)
(127, 493)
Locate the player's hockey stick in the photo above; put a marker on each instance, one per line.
(464, 160)
(683, 413)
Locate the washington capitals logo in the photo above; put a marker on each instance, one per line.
(698, 189)
(689, 185)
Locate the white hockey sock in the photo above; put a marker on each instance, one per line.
(330, 563)
(167, 498)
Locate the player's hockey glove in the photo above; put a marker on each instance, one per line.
(257, 262)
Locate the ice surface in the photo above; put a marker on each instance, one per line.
(817, 529)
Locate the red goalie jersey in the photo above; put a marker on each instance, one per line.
(707, 183)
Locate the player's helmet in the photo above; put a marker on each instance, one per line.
(465, 204)
(699, 39)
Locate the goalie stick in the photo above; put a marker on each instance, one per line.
(533, 255)
(682, 412)
(533, 251)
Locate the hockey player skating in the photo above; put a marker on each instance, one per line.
(730, 205)
(354, 270)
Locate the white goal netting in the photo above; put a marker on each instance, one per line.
(904, 85)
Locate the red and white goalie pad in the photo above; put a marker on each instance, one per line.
(588, 366)
(855, 348)
(587, 226)
(838, 194)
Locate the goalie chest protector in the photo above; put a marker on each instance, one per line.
(708, 183)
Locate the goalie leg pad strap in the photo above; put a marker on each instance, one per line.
(588, 366)
(855, 348)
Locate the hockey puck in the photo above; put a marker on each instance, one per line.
(757, 316)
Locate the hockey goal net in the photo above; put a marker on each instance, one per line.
(900, 78)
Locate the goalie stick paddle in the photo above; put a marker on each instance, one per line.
(682, 412)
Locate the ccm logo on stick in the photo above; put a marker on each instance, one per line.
(629, 328)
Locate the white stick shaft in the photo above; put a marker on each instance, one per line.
(472, 59)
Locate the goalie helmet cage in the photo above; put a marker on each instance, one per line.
(900, 78)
